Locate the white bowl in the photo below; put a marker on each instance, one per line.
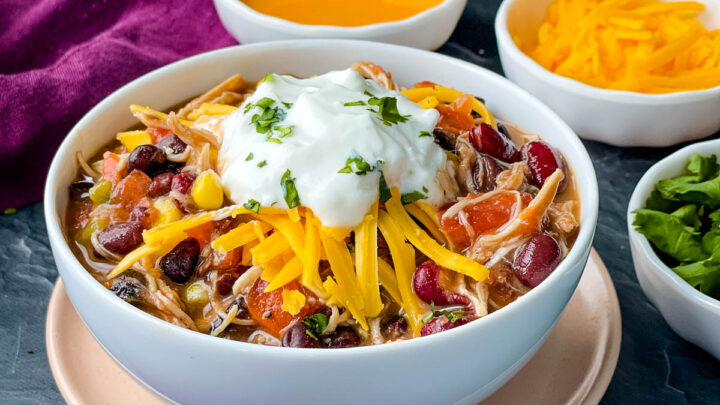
(691, 314)
(619, 118)
(426, 30)
(462, 365)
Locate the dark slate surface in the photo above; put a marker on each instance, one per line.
(655, 365)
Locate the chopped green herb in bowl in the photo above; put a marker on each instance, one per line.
(681, 220)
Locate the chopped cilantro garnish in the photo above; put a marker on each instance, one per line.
(284, 131)
(424, 134)
(268, 78)
(453, 316)
(270, 138)
(290, 194)
(385, 193)
(354, 103)
(415, 195)
(262, 164)
(367, 93)
(252, 205)
(265, 102)
(361, 166)
(387, 110)
(249, 157)
(267, 117)
(287, 105)
(316, 324)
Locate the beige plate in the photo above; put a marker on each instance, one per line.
(581, 352)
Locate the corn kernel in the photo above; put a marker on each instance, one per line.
(169, 212)
(133, 139)
(207, 192)
(100, 192)
(211, 109)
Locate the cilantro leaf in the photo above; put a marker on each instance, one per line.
(424, 134)
(316, 324)
(252, 205)
(361, 166)
(387, 110)
(703, 275)
(265, 102)
(412, 196)
(701, 187)
(290, 194)
(657, 202)
(669, 234)
(262, 164)
(385, 193)
(688, 214)
(354, 103)
(249, 156)
(452, 316)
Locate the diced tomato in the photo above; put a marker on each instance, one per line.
(266, 307)
(424, 83)
(202, 233)
(131, 189)
(156, 134)
(111, 170)
(457, 116)
(485, 216)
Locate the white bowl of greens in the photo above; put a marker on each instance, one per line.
(674, 226)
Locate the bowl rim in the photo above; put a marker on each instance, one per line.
(287, 26)
(579, 88)
(63, 254)
(647, 182)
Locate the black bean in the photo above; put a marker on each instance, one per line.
(147, 158)
(445, 139)
(394, 328)
(127, 288)
(297, 336)
(179, 264)
(121, 237)
(344, 336)
(172, 142)
(79, 189)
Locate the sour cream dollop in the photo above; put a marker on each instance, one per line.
(331, 119)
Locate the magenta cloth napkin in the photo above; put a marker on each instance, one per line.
(58, 58)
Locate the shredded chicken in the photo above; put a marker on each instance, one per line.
(562, 217)
(468, 160)
(376, 73)
(85, 167)
(526, 222)
(513, 178)
(233, 83)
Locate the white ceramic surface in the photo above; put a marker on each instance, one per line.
(427, 30)
(581, 351)
(462, 365)
(619, 118)
(690, 313)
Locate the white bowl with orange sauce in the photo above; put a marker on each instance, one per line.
(424, 27)
(620, 118)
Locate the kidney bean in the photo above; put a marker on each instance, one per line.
(426, 282)
(147, 158)
(297, 336)
(179, 264)
(172, 142)
(487, 140)
(344, 336)
(182, 182)
(160, 185)
(121, 237)
(394, 328)
(225, 283)
(441, 324)
(536, 259)
(542, 161)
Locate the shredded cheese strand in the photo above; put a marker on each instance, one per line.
(424, 243)
(366, 260)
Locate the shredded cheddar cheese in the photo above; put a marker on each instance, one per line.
(645, 46)
(293, 301)
(429, 97)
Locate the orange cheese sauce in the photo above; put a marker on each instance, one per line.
(343, 13)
